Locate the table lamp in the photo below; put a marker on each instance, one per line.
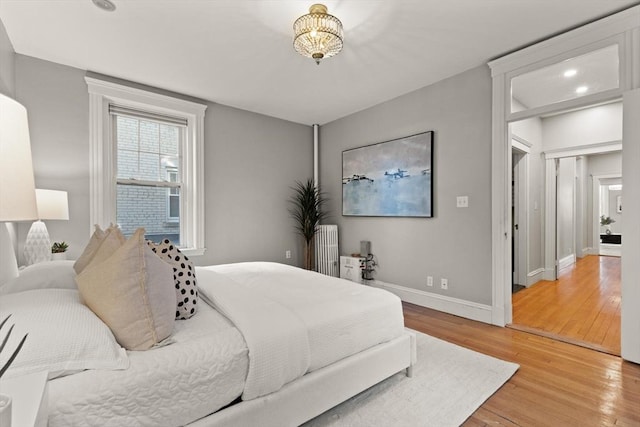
(52, 204)
(17, 188)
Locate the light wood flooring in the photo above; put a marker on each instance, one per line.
(558, 384)
(581, 307)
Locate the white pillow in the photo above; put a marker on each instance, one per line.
(44, 275)
(64, 335)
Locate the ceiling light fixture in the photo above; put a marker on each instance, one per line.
(570, 73)
(317, 35)
(581, 89)
(105, 5)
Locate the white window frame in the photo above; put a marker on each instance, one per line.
(170, 194)
(102, 155)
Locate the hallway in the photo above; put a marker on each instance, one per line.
(581, 307)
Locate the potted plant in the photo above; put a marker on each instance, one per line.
(5, 401)
(307, 210)
(606, 222)
(59, 250)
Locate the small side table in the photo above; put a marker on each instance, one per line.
(29, 399)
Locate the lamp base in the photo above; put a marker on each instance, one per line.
(37, 248)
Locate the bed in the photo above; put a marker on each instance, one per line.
(270, 345)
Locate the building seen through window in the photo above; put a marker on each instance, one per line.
(148, 177)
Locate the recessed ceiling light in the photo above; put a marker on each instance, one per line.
(581, 89)
(105, 5)
(570, 73)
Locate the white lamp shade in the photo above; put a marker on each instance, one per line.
(17, 188)
(52, 204)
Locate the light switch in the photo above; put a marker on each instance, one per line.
(462, 201)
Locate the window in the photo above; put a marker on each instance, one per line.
(147, 168)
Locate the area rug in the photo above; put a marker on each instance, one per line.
(449, 383)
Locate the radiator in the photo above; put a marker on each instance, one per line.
(327, 250)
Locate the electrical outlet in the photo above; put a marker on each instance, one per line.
(287, 254)
(462, 201)
(444, 284)
(429, 280)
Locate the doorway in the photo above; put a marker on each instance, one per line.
(520, 149)
(563, 291)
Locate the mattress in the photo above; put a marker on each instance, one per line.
(201, 371)
(342, 317)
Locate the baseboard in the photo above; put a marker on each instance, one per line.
(549, 274)
(455, 306)
(535, 276)
(567, 261)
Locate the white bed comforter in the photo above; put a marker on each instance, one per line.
(295, 321)
(202, 371)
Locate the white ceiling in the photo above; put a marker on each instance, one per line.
(239, 52)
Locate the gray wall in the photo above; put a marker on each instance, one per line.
(7, 63)
(250, 162)
(458, 110)
(594, 125)
(7, 87)
(57, 102)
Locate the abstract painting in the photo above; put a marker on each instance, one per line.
(392, 178)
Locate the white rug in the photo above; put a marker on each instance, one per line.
(449, 383)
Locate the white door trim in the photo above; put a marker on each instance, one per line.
(630, 329)
(625, 28)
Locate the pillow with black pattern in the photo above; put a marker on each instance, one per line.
(184, 276)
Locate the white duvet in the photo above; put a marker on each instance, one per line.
(295, 321)
(202, 371)
(287, 322)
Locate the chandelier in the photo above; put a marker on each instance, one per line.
(318, 35)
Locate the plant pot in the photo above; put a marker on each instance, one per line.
(60, 256)
(5, 411)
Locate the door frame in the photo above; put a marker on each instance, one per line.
(595, 215)
(623, 29)
(562, 261)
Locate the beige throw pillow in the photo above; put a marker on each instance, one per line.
(132, 291)
(109, 240)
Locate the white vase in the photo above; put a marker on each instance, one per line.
(5, 411)
(61, 256)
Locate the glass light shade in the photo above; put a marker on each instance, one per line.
(318, 35)
(17, 188)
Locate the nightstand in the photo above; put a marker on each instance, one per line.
(29, 399)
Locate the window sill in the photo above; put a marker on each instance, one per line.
(190, 252)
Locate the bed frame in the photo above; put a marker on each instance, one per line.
(321, 390)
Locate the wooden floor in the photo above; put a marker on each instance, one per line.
(582, 306)
(558, 384)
